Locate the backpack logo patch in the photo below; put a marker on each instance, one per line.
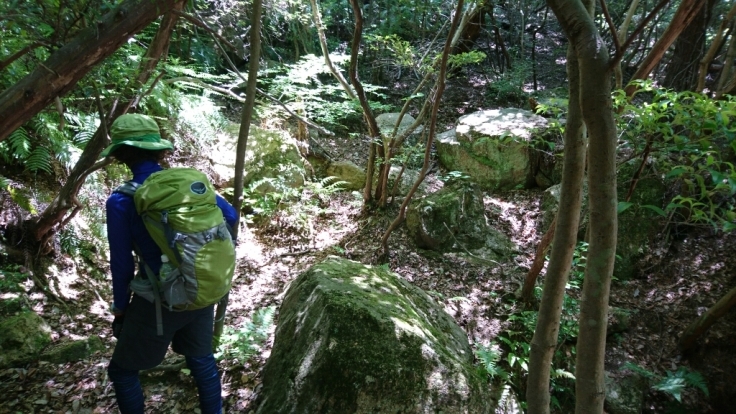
(198, 187)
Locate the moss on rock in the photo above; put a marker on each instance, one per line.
(22, 337)
(358, 339)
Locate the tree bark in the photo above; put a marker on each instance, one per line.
(623, 30)
(715, 46)
(700, 325)
(246, 116)
(596, 105)
(546, 333)
(65, 67)
(375, 150)
(683, 17)
(682, 69)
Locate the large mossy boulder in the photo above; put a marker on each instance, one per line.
(272, 159)
(494, 147)
(453, 219)
(353, 338)
(22, 338)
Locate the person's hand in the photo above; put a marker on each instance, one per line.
(117, 325)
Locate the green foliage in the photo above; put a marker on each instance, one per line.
(309, 89)
(247, 340)
(466, 58)
(11, 278)
(489, 357)
(508, 88)
(17, 195)
(693, 142)
(522, 324)
(673, 383)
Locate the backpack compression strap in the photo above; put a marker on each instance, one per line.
(128, 188)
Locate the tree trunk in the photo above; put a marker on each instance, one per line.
(545, 336)
(682, 70)
(323, 44)
(43, 227)
(436, 99)
(376, 149)
(623, 30)
(715, 46)
(700, 325)
(683, 17)
(63, 69)
(596, 105)
(471, 31)
(246, 116)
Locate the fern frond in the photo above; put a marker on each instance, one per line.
(694, 379)
(332, 183)
(40, 159)
(20, 144)
(489, 357)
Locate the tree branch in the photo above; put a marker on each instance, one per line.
(617, 58)
(611, 26)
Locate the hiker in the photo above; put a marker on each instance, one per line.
(142, 337)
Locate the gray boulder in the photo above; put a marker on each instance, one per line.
(353, 338)
(493, 147)
(453, 219)
(386, 123)
(22, 337)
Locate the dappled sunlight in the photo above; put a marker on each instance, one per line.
(411, 327)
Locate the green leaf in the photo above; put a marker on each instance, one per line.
(623, 206)
(671, 385)
(655, 209)
(677, 171)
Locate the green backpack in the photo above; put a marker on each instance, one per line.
(179, 210)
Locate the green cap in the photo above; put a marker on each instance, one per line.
(136, 130)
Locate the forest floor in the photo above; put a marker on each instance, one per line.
(688, 274)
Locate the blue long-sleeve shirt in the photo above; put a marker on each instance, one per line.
(125, 228)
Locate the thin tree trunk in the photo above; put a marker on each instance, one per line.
(246, 116)
(432, 128)
(684, 16)
(376, 149)
(596, 105)
(66, 66)
(681, 71)
(623, 30)
(545, 336)
(323, 44)
(706, 320)
(538, 263)
(715, 46)
(727, 73)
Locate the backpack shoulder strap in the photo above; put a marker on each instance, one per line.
(128, 188)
